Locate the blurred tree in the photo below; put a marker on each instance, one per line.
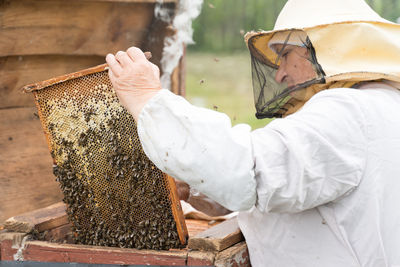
(222, 23)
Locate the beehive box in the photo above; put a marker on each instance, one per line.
(41, 39)
(209, 245)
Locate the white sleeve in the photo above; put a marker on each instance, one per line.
(200, 147)
(312, 157)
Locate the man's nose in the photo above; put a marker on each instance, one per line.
(280, 75)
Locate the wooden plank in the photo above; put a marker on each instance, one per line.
(18, 71)
(177, 210)
(72, 27)
(16, 238)
(218, 237)
(6, 250)
(195, 226)
(200, 258)
(236, 256)
(26, 179)
(41, 219)
(52, 252)
(9, 244)
(178, 82)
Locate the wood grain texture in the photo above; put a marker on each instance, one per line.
(177, 210)
(9, 243)
(195, 226)
(51, 252)
(235, 256)
(178, 82)
(26, 179)
(41, 219)
(43, 27)
(18, 71)
(200, 258)
(218, 237)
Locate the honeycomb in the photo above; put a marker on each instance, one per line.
(115, 195)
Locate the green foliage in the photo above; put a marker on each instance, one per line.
(222, 83)
(222, 23)
(389, 9)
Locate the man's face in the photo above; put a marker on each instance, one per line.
(295, 67)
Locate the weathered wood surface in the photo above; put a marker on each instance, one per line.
(200, 258)
(177, 210)
(218, 237)
(72, 27)
(197, 226)
(42, 219)
(178, 82)
(16, 238)
(9, 244)
(52, 252)
(26, 179)
(55, 215)
(235, 256)
(41, 251)
(18, 71)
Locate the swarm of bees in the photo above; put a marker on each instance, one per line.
(115, 195)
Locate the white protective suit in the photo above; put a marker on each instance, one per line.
(322, 185)
(317, 188)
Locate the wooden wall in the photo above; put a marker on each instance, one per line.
(41, 39)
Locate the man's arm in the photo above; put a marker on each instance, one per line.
(310, 158)
(192, 144)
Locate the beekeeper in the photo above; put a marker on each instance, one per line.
(319, 185)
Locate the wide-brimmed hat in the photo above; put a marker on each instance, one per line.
(350, 39)
(348, 43)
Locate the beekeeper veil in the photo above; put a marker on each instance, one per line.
(346, 41)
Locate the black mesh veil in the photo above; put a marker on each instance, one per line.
(271, 97)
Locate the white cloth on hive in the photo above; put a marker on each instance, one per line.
(191, 213)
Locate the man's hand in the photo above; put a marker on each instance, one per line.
(135, 79)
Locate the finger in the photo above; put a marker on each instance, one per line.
(123, 58)
(148, 55)
(136, 54)
(111, 75)
(114, 65)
